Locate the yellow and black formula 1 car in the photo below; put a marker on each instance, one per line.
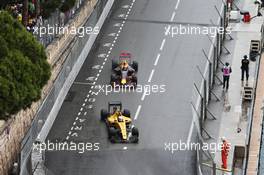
(119, 125)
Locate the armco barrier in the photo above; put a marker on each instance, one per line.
(202, 94)
(47, 113)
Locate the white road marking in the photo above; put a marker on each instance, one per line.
(143, 96)
(96, 67)
(137, 112)
(67, 138)
(101, 55)
(117, 25)
(176, 6)
(121, 15)
(107, 45)
(125, 6)
(167, 30)
(112, 34)
(151, 75)
(74, 123)
(162, 44)
(79, 113)
(157, 60)
(124, 148)
(172, 17)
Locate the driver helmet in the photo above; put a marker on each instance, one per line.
(120, 118)
(124, 65)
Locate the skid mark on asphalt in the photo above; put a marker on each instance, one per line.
(90, 97)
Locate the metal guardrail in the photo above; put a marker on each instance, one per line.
(205, 162)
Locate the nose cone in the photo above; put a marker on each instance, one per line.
(123, 81)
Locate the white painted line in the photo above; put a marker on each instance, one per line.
(162, 44)
(85, 113)
(137, 112)
(67, 138)
(69, 132)
(86, 100)
(79, 113)
(81, 109)
(74, 123)
(104, 63)
(151, 75)
(172, 17)
(83, 104)
(100, 70)
(157, 60)
(167, 32)
(105, 59)
(98, 75)
(124, 148)
(88, 95)
(176, 6)
(71, 128)
(143, 96)
(77, 118)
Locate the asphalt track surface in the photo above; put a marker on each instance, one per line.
(139, 27)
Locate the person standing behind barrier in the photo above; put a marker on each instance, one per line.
(225, 147)
(227, 70)
(244, 68)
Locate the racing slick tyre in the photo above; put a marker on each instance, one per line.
(114, 64)
(113, 134)
(104, 114)
(135, 132)
(126, 113)
(134, 80)
(135, 65)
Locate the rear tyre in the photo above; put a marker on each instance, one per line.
(126, 113)
(135, 132)
(134, 80)
(113, 78)
(114, 64)
(104, 114)
(135, 65)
